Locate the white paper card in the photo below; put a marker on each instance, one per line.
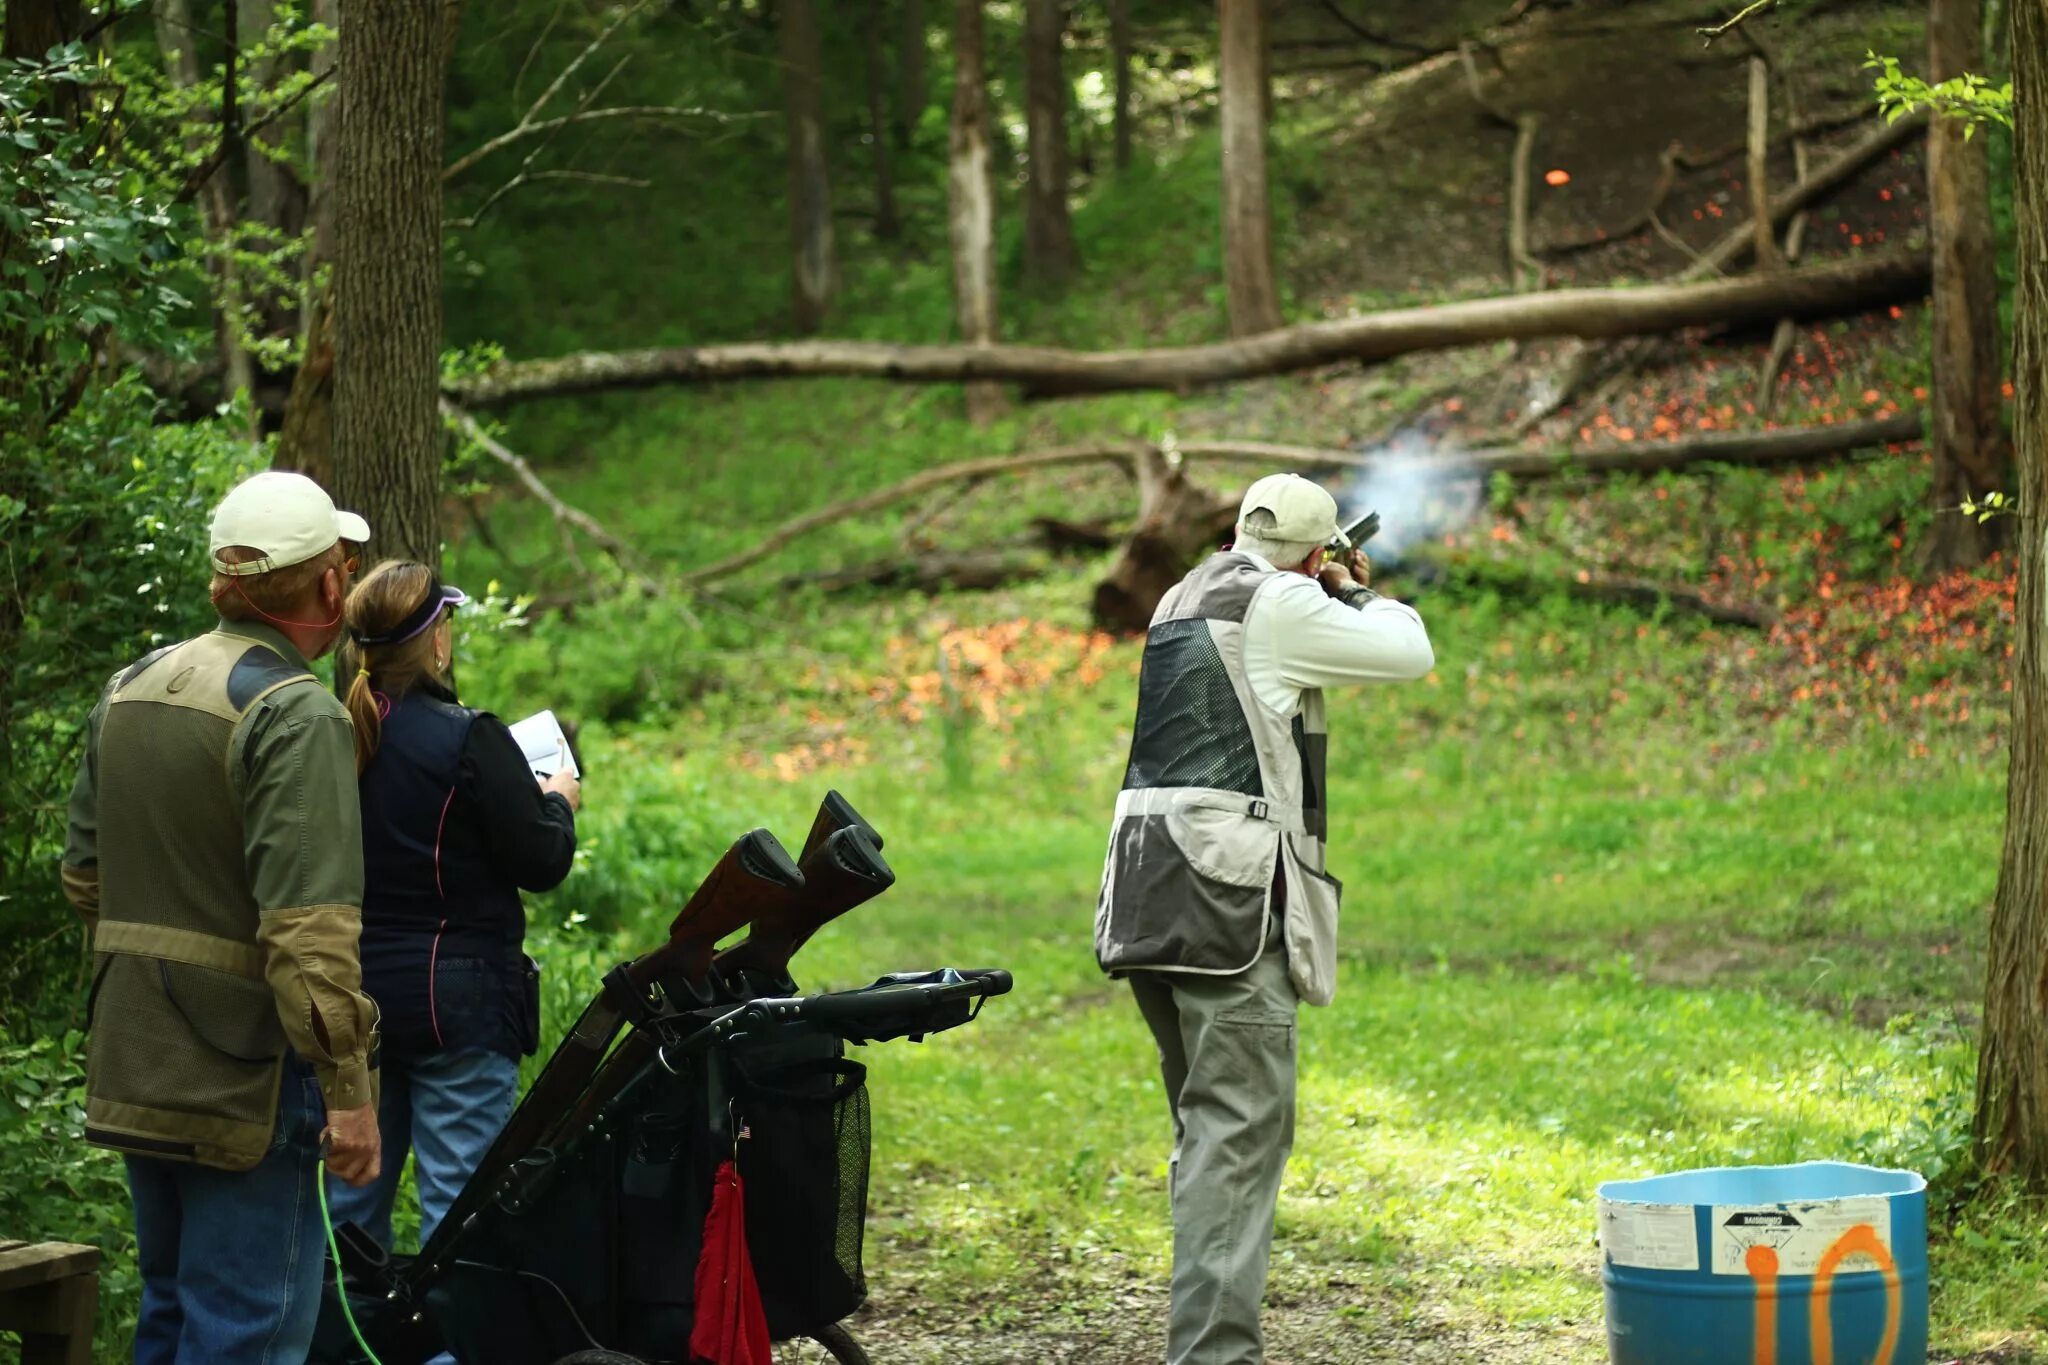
(1649, 1236)
(545, 746)
(1800, 1232)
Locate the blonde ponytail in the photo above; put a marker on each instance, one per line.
(363, 710)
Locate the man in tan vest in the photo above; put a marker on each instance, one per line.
(215, 849)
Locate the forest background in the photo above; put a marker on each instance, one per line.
(1683, 855)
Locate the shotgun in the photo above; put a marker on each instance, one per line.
(840, 871)
(835, 813)
(755, 876)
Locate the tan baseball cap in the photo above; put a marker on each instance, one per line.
(1302, 511)
(288, 517)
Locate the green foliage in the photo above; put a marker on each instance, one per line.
(84, 239)
(1969, 97)
(102, 559)
(55, 1188)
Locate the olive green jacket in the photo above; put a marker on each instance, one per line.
(215, 847)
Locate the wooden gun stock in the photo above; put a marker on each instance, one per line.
(843, 870)
(756, 877)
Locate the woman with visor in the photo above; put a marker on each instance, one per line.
(455, 825)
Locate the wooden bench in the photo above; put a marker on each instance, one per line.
(50, 1292)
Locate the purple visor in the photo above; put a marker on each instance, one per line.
(440, 597)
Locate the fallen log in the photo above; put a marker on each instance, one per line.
(1755, 449)
(1838, 287)
(1617, 590)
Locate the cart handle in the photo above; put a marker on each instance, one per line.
(893, 995)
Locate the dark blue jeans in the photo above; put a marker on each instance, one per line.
(231, 1260)
(444, 1107)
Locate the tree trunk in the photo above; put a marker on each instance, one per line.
(1048, 232)
(216, 206)
(388, 436)
(1970, 456)
(1177, 523)
(1247, 223)
(1120, 59)
(305, 444)
(971, 202)
(323, 120)
(30, 28)
(912, 95)
(2012, 1064)
(886, 226)
(276, 198)
(1766, 247)
(816, 276)
(1862, 281)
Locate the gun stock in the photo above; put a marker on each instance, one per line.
(841, 872)
(755, 877)
(835, 813)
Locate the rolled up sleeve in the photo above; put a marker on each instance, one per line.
(303, 844)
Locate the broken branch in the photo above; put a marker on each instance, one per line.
(625, 556)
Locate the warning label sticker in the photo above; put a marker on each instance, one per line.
(1800, 1233)
(1649, 1236)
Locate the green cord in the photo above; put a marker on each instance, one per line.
(334, 1248)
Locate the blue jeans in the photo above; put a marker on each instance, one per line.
(446, 1108)
(230, 1260)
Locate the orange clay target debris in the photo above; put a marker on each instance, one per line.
(1557, 177)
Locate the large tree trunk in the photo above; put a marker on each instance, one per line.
(1048, 232)
(886, 226)
(30, 28)
(388, 436)
(2012, 1064)
(1969, 440)
(1120, 61)
(971, 201)
(1177, 523)
(1247, 218)
(1838, 287)
(810, 194)
(912, 95)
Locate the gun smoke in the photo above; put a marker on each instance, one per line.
(1420, 489)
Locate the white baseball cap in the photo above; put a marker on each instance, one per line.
(1303, 512)
(287, 517)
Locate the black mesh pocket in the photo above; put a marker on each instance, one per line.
(1191, 730)
(805, 1162)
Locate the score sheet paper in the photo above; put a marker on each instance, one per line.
(545, 746)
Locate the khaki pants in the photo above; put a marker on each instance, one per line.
(1226, 1049)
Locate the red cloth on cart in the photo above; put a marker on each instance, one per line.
(731, 1326)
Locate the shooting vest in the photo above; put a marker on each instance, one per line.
(1222, 799)
(186, 1051)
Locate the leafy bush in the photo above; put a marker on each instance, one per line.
(57, 1188)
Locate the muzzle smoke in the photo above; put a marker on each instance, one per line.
(1421, 491)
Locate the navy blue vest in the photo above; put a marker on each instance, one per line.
(441, 929)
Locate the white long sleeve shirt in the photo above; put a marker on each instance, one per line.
(1297, 636)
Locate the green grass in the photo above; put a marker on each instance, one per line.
(1583, 940)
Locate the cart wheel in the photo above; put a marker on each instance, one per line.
(600, 1357)
(833, 1343)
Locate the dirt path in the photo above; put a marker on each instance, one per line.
(1126, 1326)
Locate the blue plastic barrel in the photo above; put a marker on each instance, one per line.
(1818, 1264)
